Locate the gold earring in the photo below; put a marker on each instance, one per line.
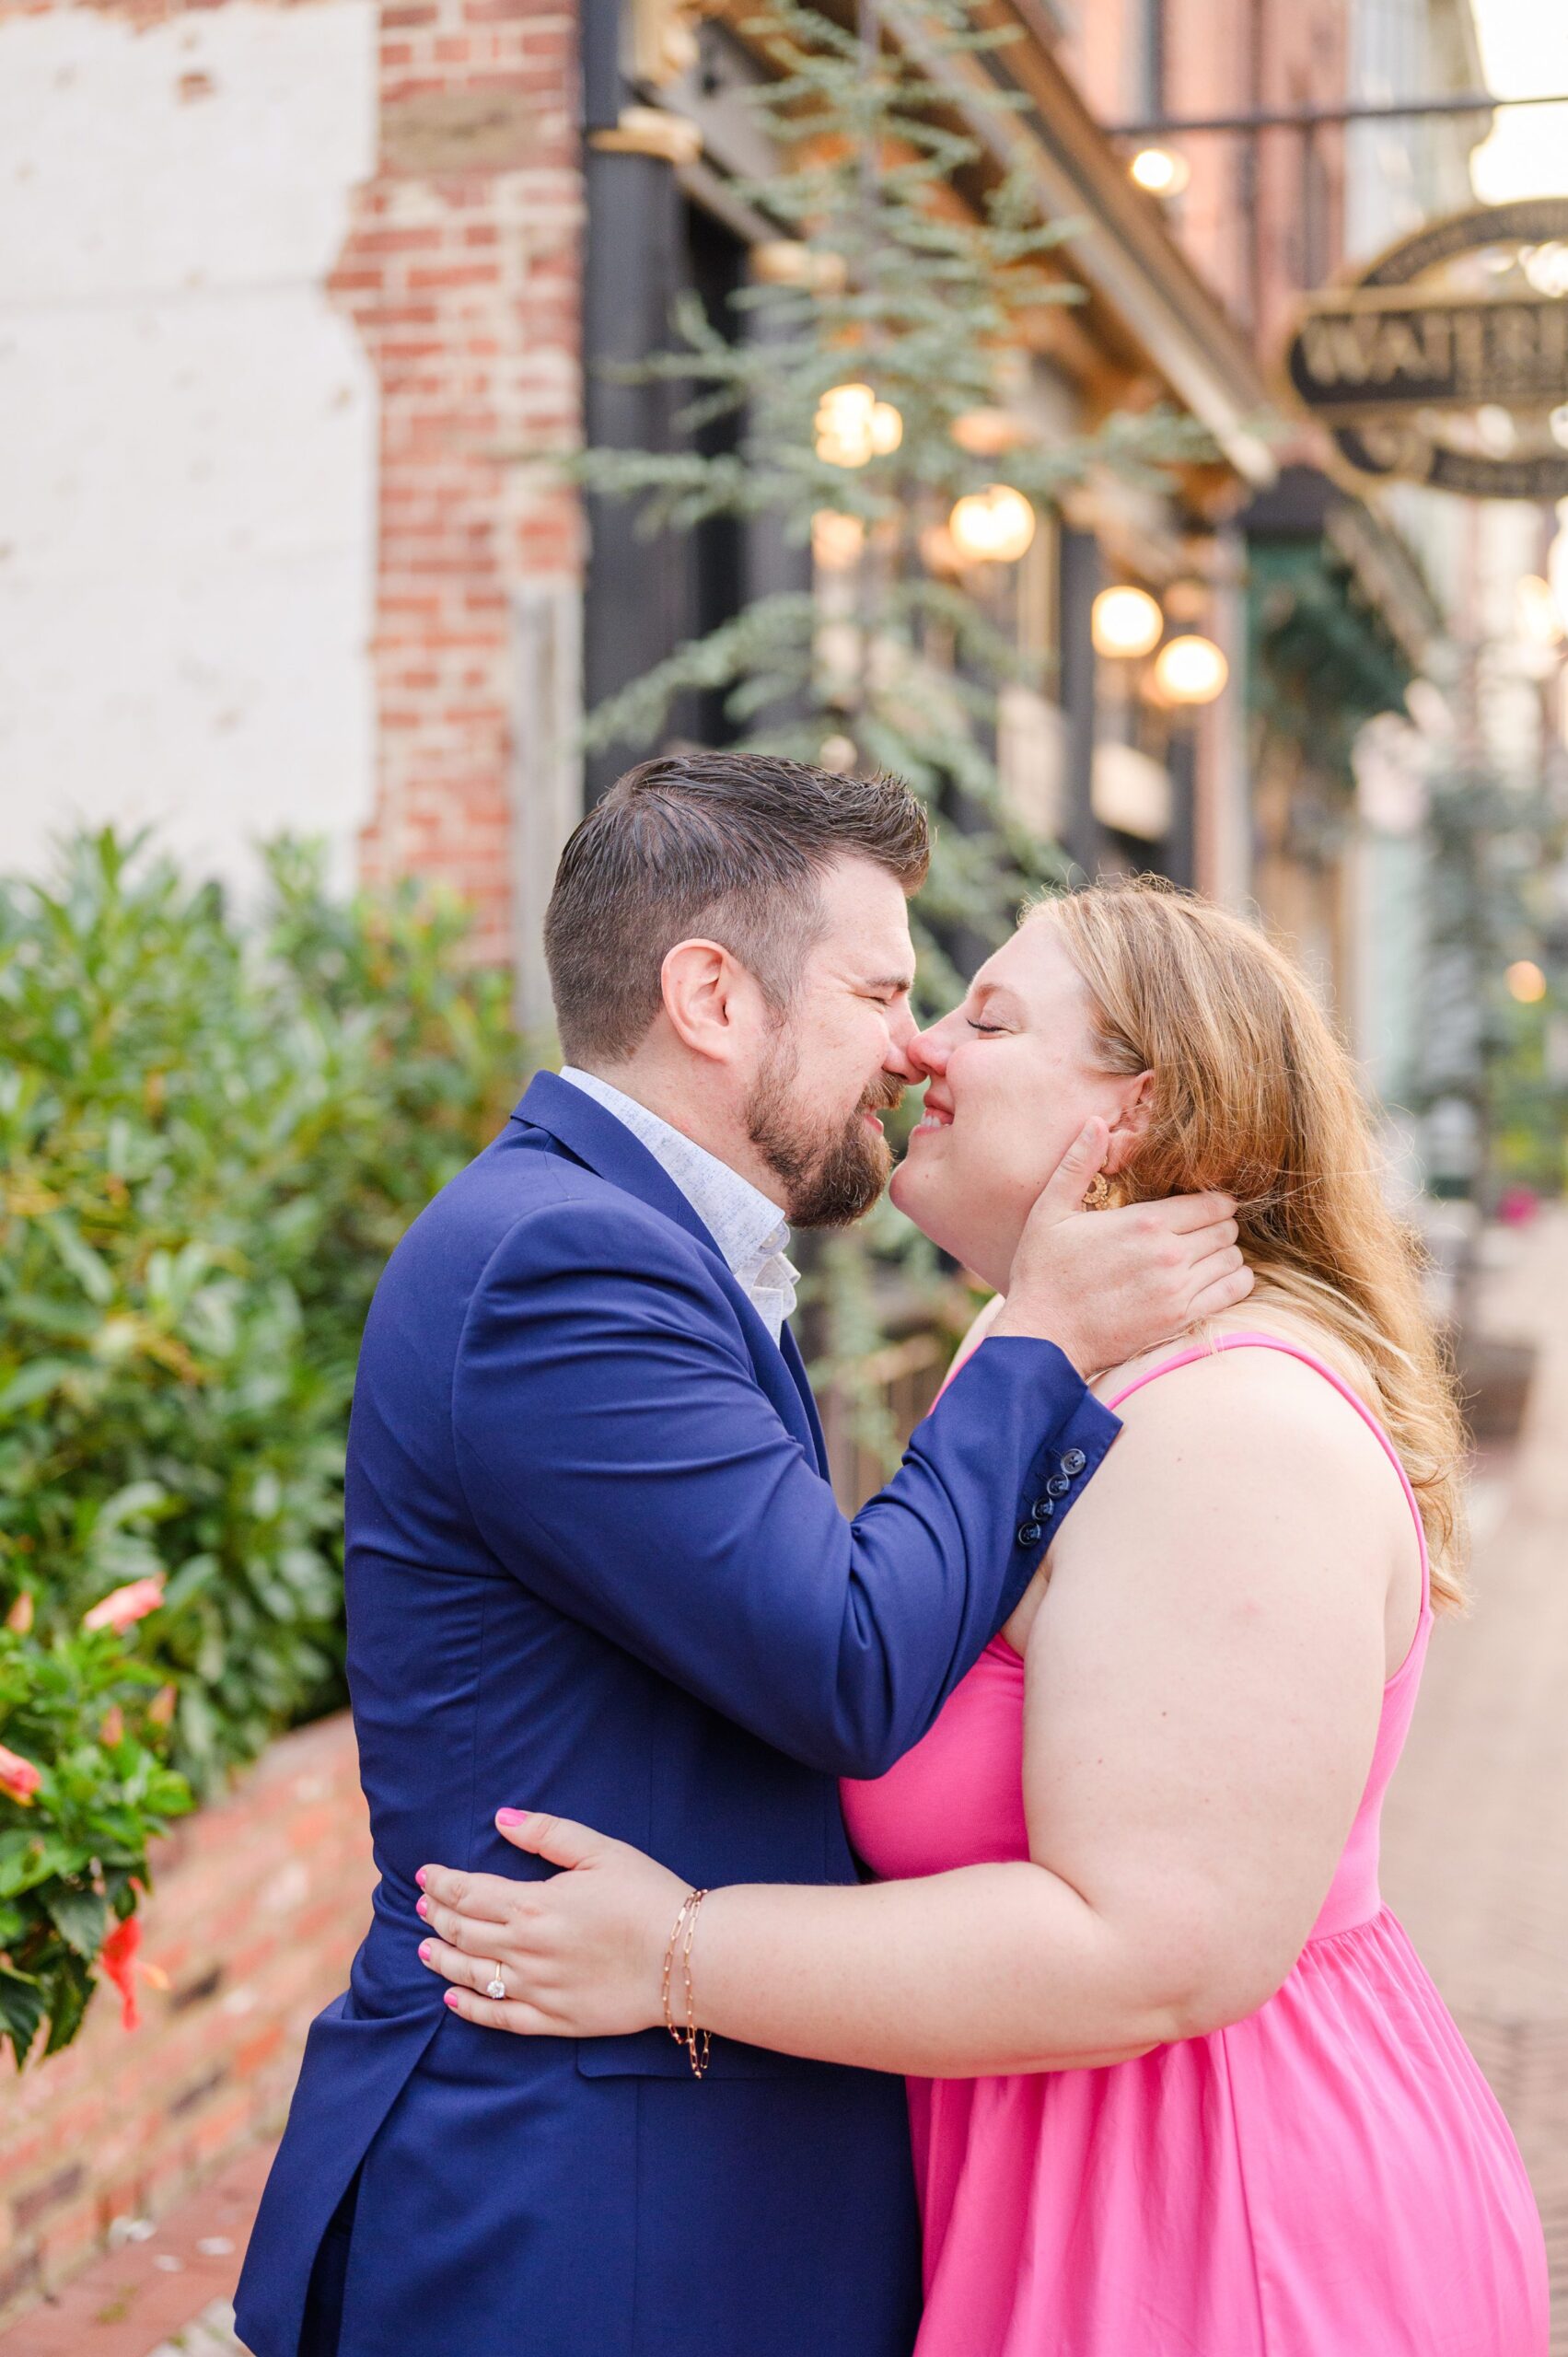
(1100, 1195)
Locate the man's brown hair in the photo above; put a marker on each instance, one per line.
(729, 846)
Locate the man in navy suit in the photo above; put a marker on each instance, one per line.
(594, 1564)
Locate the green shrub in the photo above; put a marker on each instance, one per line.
(77, 1709)
(211, 1137)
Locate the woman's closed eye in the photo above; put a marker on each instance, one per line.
(991, 1030)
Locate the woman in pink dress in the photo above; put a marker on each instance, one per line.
(1178, 2086)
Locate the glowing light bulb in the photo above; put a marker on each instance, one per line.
(852, 427)
(1125, 622)
(1526, 982)
(938, 551)
(1191, 670)
(1158, 172)
(1546, 266)
(986, 432)
(836, 540)
(992, 526)
(1540, 621)
(886, 428)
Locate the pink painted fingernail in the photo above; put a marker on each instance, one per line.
(450, 1998)
(421, 1906)
(424, 1947)
(420, 1877)
(510, 1815)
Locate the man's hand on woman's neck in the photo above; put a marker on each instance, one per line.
(1104, 1285)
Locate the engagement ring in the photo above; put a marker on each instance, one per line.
(496, 1988)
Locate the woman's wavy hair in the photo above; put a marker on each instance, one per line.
(1253, 1093)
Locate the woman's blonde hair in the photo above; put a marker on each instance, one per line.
(1253, 1093)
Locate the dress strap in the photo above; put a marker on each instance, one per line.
(1255, 1341)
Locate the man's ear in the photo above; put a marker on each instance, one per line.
(707, 997)
(1131, 1125)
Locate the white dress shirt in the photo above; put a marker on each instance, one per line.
(749, 1230)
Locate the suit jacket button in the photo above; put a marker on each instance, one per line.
(1058, 1486)
(1029, 1534)
(1044, 1508)
(1074, 1461)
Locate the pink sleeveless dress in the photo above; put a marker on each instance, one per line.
(1330, 2178)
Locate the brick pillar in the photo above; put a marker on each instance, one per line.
(462, 275)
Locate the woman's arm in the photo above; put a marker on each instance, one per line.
(1203, 1685)
(976, 1331)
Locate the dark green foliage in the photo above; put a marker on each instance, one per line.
(210, 1141)
(1321, 664)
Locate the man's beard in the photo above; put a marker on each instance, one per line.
(831, 1176)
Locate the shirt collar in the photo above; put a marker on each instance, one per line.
(749, 1228)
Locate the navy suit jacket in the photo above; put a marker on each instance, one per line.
(593, 1565)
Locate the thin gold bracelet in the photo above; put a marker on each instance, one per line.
(669, 1966)
(697, 2042)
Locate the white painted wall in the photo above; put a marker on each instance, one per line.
(187, 429)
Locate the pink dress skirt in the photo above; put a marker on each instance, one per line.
(1330, 2177)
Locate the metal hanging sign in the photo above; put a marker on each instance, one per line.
(1445, 360)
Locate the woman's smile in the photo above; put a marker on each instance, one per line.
(938, 1114)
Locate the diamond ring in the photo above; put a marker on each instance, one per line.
(496, 1988)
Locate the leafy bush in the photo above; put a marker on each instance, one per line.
(88, 1772)
(211, 1138)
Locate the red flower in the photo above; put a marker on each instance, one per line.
(123, 1606)
(18, 1777)
(117, 1959)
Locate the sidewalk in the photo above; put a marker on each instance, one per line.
(1475, 1843)
(166, 2293)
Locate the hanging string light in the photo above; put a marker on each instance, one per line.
(938, 553)
(1159, 172)
(852, 427)
(1125, 622)
(836, 540)
(1535, 611)
(992, 526)
(1191, 670)
(987, 433)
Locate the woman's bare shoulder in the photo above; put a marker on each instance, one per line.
(1251, 1417)
(1242, 1424)
(1266, 1433)
(1213, 1343)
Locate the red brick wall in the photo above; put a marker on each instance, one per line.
(260, 1901)
(461, 275)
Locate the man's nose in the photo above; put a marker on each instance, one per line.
(928, 1053)
(902, 1040)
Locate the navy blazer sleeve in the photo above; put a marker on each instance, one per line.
(619, 1455)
